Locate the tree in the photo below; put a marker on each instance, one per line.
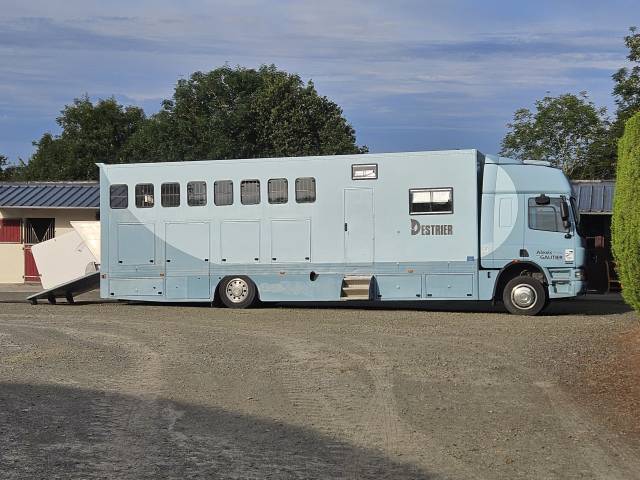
(627, 84)
(625, 227)
(10, 172)
(225, 113)
(568, 130)
(90, 133)
(242, 113)
(3, 167)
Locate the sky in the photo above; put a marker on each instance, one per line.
(409, 74)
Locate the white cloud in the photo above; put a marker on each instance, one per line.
(451, 60)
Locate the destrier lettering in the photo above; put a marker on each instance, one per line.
(430, 229)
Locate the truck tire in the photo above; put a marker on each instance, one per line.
(237, 291)
(524, 295)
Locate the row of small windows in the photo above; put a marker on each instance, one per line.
(277, 192)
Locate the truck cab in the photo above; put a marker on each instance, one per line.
(530, 234)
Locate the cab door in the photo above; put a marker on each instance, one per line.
(548, 238)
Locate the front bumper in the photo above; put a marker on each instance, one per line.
(567, 282)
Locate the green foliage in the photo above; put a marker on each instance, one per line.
(242, 113)
(627, 83)
(90, 133)
(3, 167)
(569, 131)
(225, 113)
(625, 228)
(10, 172)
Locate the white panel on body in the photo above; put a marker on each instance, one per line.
(240, 241)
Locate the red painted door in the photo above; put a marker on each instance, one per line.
(30, 269)
(10, 230)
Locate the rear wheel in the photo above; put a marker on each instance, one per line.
(237, 292)
(524, 295)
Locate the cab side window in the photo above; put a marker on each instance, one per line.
(546, 217)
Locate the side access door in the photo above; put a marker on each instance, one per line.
(358, 225)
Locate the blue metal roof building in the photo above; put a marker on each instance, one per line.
(33, 212)
(50, 195)
(594, 197)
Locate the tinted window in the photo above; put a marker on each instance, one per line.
(170, 194)
(223, 192)
(119, 196)
(250, 192)
(196, 194)
(144, 195)
(430, 200)
(305, 190)
(277, 190)
(546, 217)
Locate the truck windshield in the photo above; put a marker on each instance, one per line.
(576, 214)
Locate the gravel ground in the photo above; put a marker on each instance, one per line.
(115, 390)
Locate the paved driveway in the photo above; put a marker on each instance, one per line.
(114, 390)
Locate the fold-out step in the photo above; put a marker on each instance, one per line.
(356, 287)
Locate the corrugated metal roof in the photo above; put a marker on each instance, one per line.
(49, 195)
(594, 196)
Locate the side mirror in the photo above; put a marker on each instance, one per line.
(564, 210)
(564, 214)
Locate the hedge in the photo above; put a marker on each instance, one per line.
(625, 227)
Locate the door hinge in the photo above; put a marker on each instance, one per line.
(345, 226)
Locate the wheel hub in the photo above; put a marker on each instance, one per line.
(523, 296)
(237, 290)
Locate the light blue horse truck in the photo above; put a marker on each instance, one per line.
(427, 226)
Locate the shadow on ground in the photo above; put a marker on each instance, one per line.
(587, 305)
(51, 431)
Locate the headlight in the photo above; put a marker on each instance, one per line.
(581, 274)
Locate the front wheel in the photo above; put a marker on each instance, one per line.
(237, 292)
(524, 295)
